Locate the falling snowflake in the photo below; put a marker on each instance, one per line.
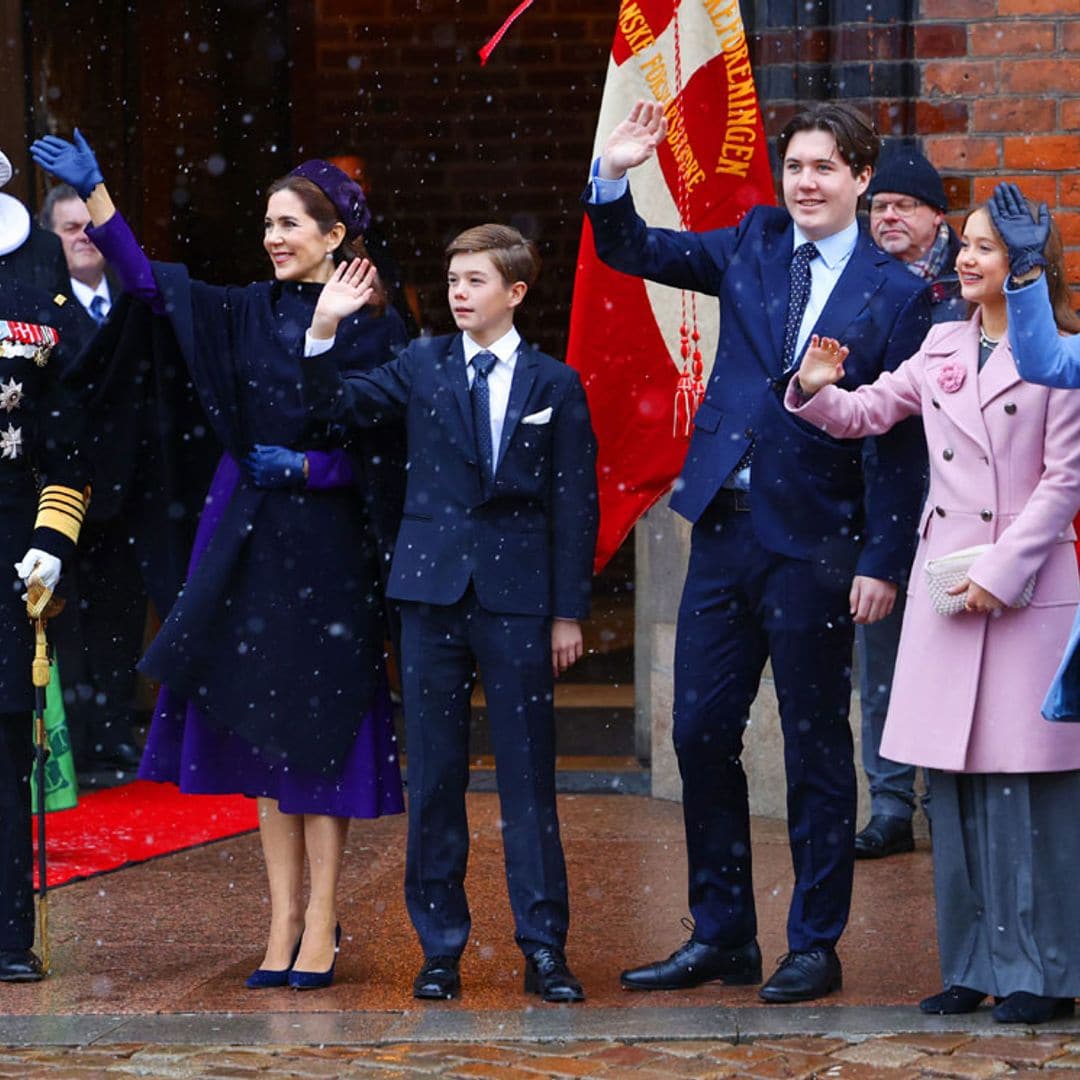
(11, 395)
(11, 442)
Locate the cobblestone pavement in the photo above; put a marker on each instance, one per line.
(950, 1055)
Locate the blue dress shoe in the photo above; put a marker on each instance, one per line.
(266, 978)
(20, 965)
(547, 974)
(1024, 1008)
(316, 980)
(439, 979)
(803, 976)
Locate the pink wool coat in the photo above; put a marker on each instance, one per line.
(1004, 470)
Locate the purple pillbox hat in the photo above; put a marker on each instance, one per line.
(346, 195)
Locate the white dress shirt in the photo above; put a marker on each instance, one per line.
(500, 377)
(85, 295)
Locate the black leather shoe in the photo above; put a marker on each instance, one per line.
(696, 963)
(803, 976)
(547, 974)
(952, 1001)
(884, 835)
(20, 965)
(1024, 1008)
(439, 979)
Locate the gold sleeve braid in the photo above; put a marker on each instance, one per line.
(63, 509)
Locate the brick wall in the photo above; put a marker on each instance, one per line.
(449, 143)
(1005, 76)
(989, 87)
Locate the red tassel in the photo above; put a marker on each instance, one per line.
(684, 404)
(489, 48)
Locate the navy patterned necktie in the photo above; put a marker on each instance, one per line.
(97, 310)
(798, 296)
(482, 364)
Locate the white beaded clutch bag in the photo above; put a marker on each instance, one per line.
(947, 571)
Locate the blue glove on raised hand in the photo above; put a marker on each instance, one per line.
(1024, 236)
(275, 467)
(74, 163)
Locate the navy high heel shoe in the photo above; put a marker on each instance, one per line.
(317, 980)
(265, 978)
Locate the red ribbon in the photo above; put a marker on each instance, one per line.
(28, 333)
(489, 48)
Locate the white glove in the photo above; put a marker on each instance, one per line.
(47, 566)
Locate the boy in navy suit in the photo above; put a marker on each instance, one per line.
(492, 567)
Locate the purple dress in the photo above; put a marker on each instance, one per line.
(316, 733)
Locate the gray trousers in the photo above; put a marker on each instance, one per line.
(892, 786)
(1006, 849)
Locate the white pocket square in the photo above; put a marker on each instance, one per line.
(541, 417)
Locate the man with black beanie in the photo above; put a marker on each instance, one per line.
(907, 219)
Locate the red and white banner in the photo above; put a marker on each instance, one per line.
(644, 350)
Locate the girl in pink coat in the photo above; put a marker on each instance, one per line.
(1005, 473)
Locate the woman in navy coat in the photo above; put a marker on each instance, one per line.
(271, 659)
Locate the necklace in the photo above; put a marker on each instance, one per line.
(988, 342)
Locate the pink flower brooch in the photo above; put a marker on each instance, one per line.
(950, 377)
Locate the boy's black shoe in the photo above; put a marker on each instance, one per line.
(803, 976)
(439, 979)
(547, 974)
(695, 963)
(20, 965)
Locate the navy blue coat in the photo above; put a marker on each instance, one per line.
(528, 543)
(812, 497)
(278, 633)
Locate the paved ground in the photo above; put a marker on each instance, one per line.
(149, 964)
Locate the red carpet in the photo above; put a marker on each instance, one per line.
(133, 823)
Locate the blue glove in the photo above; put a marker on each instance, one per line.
(74, 163)
(275, 467)
(1024, 237)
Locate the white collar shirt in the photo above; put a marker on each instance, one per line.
(833, 255)
(500, 377)
(85, 295)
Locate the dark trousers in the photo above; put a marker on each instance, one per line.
(441, 647)
(16, 850)
(742, 604)
(892, 785)
(99, 642)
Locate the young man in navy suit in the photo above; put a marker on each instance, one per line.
(796, 535)
(492, 567)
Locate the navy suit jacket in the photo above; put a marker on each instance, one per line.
(527, 541)
(812, 497)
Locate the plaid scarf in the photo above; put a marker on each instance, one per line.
(931, 265)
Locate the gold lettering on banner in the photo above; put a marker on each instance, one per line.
(743, 118)
(634, 27)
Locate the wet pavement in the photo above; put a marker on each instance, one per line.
(149, 962)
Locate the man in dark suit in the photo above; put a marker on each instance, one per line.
(492, 566)
(787, 551)
(100, 642)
